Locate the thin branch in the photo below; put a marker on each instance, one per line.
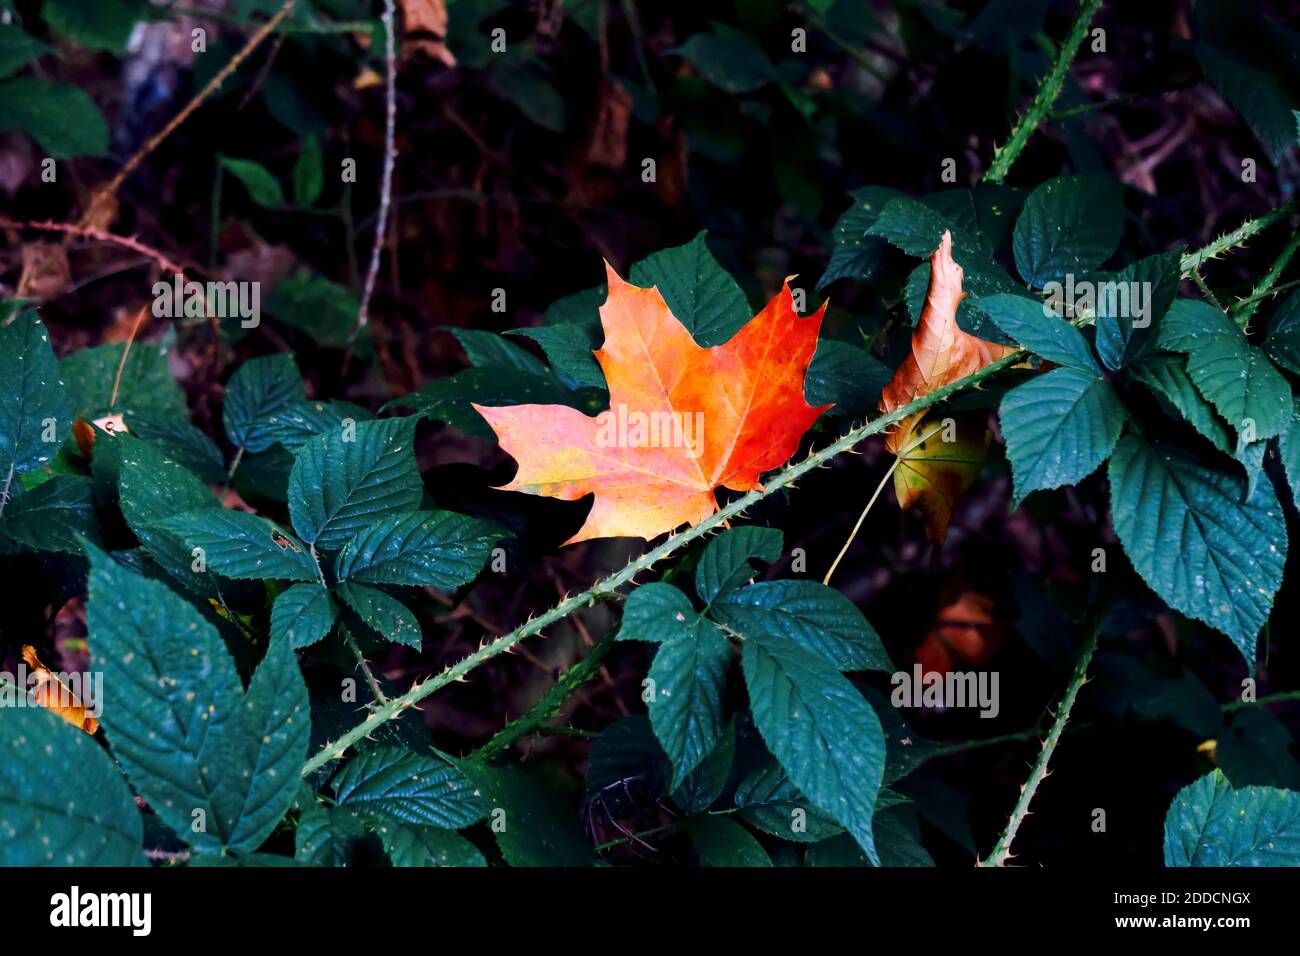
(390, 156)
(105, 197)
(117, 379)
(1047, 94)
(4, 492)
(608, 587)
(163, 261)
(1002, 851)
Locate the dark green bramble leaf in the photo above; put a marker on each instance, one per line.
(1235, 376)
(218, 764)
(817, 619)
(181, 442)
(819, 727)
(1256, 94)
(769, 801)
(730, 59)
(339, 486)
(1289, 451)
(146, 383)
(1059, 427)
(102, 25)
(1166, 375)
(685, 696)
(1283, 342)
(153, 488)
(263, 188)
(1255, 750)
(408, 845)
(916, 228)
(530, 825)
(1210, 823)
(896, 839)
(292, 427)
(1124, 336)
(62, 801)
(725, 563)
(719, 841)
(659, 613)
(259, 389)
(528, 87)
(17, 49)
(265, 475)
(1070, 224)
(236, 544)
(35, 417)
(448, 399)
(401, 787)
(1251, 459)
(62, 119)
(1030, 325)
(487, 349)
(1190, 533)
(627, 754)
(854, 254)
(308, 173)
(701, 294)
(568, 347)
(704, 785)
(303, 615)
(388, 618)
(847, 377)
(438, 549)
(52, 515)
(327, 836)
(324, 310)
(1138, 689)
(580, 308)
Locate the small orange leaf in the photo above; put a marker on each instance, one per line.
(965, 629)
(85, 431)
(54, 695)
(941, 354)
(683, 419)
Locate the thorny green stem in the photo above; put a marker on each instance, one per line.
(608, 587)
(535, 718)
(1047, 94)
(1002, 850)
(355, 648)
(1244, 310)
(1206, 291)
(1193, 261)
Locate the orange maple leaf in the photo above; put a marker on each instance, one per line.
(941, 353)
(683, 420)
